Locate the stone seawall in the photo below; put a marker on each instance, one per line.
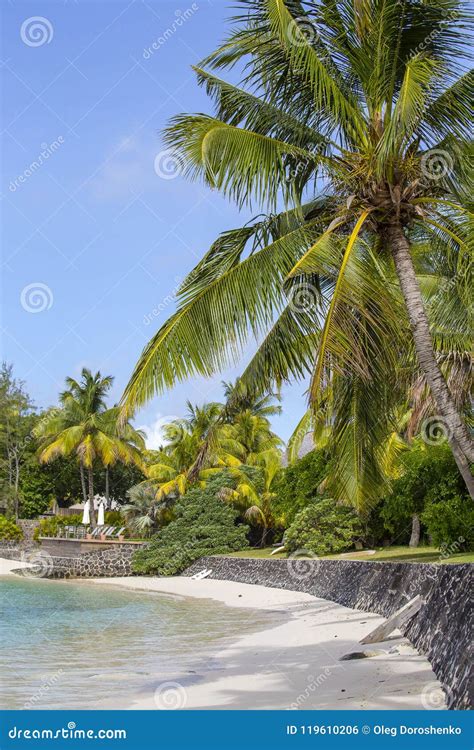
(441, 630)
(104, 564)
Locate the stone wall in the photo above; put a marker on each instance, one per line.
(28, 526)
(107, 563)
(442, 629)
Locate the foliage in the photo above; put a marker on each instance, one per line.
(355, 120)
(204, 525)
(114, 518)
(9, 530)
(324, 527)
(428, 475)
(83, 427)
(145, 512)
(300, 484)
(52, 525)
(16, 422)
(450, 523)
(251, 489)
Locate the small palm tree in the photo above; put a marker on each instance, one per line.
(85, 428)
(144, 512)
(355, 118)
(253, 492)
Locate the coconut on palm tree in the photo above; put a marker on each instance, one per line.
(352, 128)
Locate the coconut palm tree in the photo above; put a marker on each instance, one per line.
(85, 428)
(253, 491)
(355, 119)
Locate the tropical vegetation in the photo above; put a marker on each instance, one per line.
(203, 525)
(350, 130)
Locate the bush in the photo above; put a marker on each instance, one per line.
(9, 530)
(299, 485)
(450, 523)
(430, 476)
(51, 526)
(323, 528)
(204, 525)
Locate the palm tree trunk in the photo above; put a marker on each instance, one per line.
(415, 530)
(83, 482)
(90, 476)
(107, 486)
(451, 422)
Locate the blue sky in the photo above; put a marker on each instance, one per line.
(95, 234)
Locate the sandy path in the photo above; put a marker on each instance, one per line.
(295, 664)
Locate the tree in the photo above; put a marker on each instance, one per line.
(16, 423)
(85, 428)
(204, 525)
(356, 118)
(428, 475)
(252, 489)
(144, 512)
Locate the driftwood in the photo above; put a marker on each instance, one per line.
(394, 621)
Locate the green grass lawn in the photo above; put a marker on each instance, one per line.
(390, 554)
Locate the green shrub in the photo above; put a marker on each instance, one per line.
(429, 476)
(323, 528)
(9, 530)
(114, 518)
(204, 525)
(450, 523)
(299, 485)
(51, 526)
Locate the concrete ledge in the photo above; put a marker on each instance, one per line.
(442, 629)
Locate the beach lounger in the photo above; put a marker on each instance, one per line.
(202, 574)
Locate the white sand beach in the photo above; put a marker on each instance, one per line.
(296, 664)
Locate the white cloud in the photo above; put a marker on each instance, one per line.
(127, 170)
(154, 431)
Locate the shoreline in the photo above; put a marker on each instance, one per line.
(294, 664)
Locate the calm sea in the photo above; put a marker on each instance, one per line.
(77, 645)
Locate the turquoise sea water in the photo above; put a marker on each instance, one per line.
(78, 645)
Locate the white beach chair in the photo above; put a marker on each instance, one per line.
(202, 574)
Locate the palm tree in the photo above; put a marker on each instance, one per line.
(85, 428)
(253, 493)
(357, 118)
(143, 511)
(239, 397)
